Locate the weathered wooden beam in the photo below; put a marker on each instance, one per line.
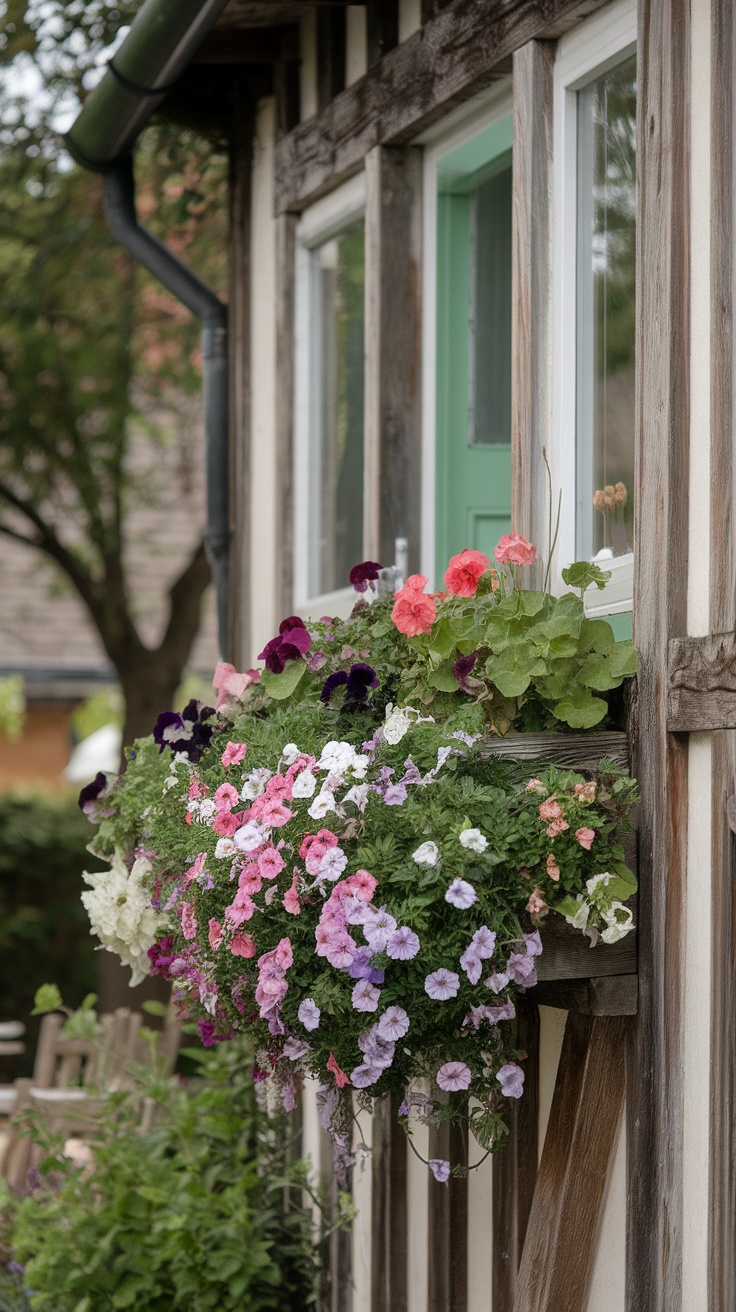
(722, 1174)
(464, 49)
(393, 351)
(389, 1269)
(285, 265)
(382, 28)
(331, 46)
(568, 955)
(515, 1166)
(448, 1225)
(574, 751)
(531, 291)
(611, 995)
(655, 1056)
(559, 1252)
(702, 683)
(241, 146)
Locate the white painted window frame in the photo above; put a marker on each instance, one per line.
(584, 53)
(441, 139)
(318, 223)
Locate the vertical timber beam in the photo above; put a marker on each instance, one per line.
(448, 1224)
(515, 1167)
(722, 1212)
(531, 288)
(393, 354)
(654, 1057)
(331, 47)
(285, 267)
(241, 150)
(389, 1229)
(382, 28)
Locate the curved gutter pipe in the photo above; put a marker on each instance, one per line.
(163, 38)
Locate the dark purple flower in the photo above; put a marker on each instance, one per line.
(161, 957)
(187, 732)
(89, 794)
(364, 574)
(360, 679)
(206, 1031)
(332, 682)
(293, 640)
(462, 668)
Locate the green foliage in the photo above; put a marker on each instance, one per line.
(47, 998)
(12, 706)
(44, 932)
(197, 1214)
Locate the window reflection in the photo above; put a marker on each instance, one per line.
(606, 310)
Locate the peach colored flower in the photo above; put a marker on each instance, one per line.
(513, 549)
(413, 612)
(550, 810)
(535, 786)
(341, 1079)
(536, 903)
(553, 870)
(586, 791)
(464, 571)
(557, 827)
(585, 837)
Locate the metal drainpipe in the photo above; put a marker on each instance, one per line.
(122, 221)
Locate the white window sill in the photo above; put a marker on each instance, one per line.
(335, 604)
(617, 595)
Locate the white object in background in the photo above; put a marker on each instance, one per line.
(101, 751)
(11, 1029)
(401, 560)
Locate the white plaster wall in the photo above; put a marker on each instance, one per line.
(362, 1198)
(356, 60)
(410, 18)
(608, 1286)
(417, 1193)
(308, 66)
(480, 1233)
(262, 490)
(551, 1033)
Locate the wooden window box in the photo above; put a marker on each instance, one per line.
(599, 981)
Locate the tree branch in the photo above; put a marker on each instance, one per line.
(185, 600)
(49, 542)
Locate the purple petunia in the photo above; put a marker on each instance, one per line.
(454, 1076)
(472, 964)
(461, 894)
(365, 996)
(161, 956)
(395, 795)
(89, 794)
(521, 970)
(356, 683)
(393, 1024)
(292, 641)
(309, 1014)
(440, 1169)
(188, 733)
(403, 944)
(462, 668)
(364, 574)
(363, 1076)
(442, 984)
(511, 1079)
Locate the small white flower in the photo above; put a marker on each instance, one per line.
(619, 920)
(461, 894)
(290, 753)
(248, 837)
(592, 884)
(360, 765)
(427, 854)
(225, 848)
(120, 913)
(337, 757)
(207, 809)
(358, 795)
(396, 724)
(580, 919)
(255, 784)
(304, 784)
(323, 802)
(473, 840)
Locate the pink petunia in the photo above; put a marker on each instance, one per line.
(553, 870)
(250, 879)
(242, 945)
(226, 797)
(413, 612)
(270, 863)
(513, 549)
(229, 684)
(290, 900)
(536, 903)
(454, 1076)
(226, 824)
(550, 810)
(196, 868)
(215, 933)
(283, 954)
(274, 813)
(188, 920)
(341, 1079)
(324, 836)
(464, 571)
(362, 885)
(556, 827)
(233, 754)
(585, 837)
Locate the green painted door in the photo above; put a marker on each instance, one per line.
(473, 476)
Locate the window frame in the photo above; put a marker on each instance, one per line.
(440, 140)
(324, 219)
(592, 48)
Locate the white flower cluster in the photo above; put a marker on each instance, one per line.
(617, 918)
(121, 915)
(399, 720)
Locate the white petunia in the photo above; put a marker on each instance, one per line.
(248, 837)
(398, 722)
(121, 915)
(290, 753)
(580, 918)
(427, 854)
(255, 784)
(337, 757)
(358, 795)
(473, 840)
(225, 848)
(461, 894)
(207, 809)
(360, 765)
(304, 784)
(592, 884)
(619, 920)
(323, 802)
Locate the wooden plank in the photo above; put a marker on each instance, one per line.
(448, 1225)
(559, 1252)
(515, 1166)
(331, 44)
(465, 48)
(574, 751)
(613, 995)
(568, 954)
(531, 291)
(393, 352)
(654, 1059)
(389, 1274)
(382, 28)
(241, 144)
(702, 681)
(722, 1183)
(285, 266)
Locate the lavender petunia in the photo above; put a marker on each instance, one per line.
(497, 981)
(521, 970)
(442, 984)
(511, 1079)
(378, 928)
(484, 942)
(365, 996)
(363, 1076)
(471, 964)
(295, 1048)
(454, 1076)
(393, 1024)
(403, 944)
(440, 1169)
(461, 894)
(533, 944)
(395, 795)
(309, 1014)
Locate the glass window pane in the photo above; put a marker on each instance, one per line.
(606, 310)
(336, 459)
(490, 310)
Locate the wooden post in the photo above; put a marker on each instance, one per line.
(389, 1273)
(722, 1219)
(382, 28)
(285, 266)
(393, 364)
(559, 1252)
(515, 1167)
(654, 1097)
(448, 1225)
(331, 30)
(531, 288)
(241, 146)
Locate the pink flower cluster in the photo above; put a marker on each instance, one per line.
(272, 984)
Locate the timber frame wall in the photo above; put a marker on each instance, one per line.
(462, 48)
